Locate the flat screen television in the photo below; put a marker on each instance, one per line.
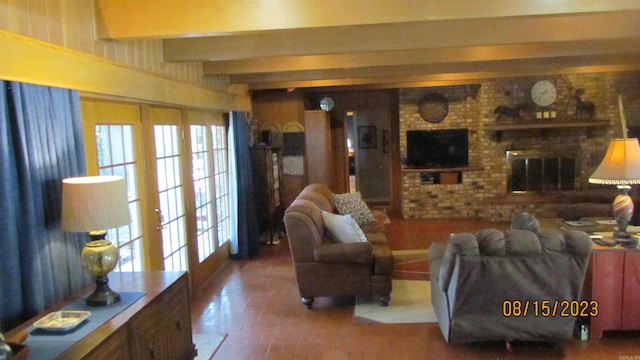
(437, 148)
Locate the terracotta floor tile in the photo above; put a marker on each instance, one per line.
(257, 304)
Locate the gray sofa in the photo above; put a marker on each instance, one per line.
(477, 278)
(325, 267)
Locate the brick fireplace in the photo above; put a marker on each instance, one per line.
(552, 159)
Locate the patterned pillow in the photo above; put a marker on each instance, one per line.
(342, 228)
(352, 204)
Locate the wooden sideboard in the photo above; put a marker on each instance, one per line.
(157, 326)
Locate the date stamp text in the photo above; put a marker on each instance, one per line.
(550, 308)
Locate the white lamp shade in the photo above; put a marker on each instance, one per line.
(93, 203)
(621, 164)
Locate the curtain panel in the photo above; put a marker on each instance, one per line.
(40, 144)
(245, 239)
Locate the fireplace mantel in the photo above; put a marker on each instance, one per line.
(550, 124)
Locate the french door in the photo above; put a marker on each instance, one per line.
(166, 189)
(175, 165)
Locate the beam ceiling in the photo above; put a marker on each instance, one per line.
(378, 43)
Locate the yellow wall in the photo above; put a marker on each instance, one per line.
(51, 42)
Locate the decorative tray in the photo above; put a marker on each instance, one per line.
(62, 320)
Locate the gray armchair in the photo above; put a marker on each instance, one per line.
(477, 279)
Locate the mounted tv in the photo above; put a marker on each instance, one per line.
(437, 148)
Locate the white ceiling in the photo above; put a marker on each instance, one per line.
(272, 44)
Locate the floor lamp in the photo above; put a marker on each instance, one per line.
(94, 204)
(620, 167)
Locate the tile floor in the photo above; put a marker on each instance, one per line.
(257, 304)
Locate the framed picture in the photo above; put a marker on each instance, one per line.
(367, 137)
(385, 141)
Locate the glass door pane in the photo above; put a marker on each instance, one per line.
(116, 156)
(171, 209)
(202, 187)
(221, 180)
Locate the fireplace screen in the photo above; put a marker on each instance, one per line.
(541, 171)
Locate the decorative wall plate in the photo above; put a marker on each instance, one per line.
(433, 107)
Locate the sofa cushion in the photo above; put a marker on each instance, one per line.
(552, 241)
(491, 242)
(342, 228)
(522, 242)
(352, 204)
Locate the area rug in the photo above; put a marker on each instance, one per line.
(410, 265)
(207, 344)
(410, 303)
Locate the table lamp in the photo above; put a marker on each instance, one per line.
(94, 204)
(620, 167)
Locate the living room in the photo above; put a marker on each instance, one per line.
(96, 48)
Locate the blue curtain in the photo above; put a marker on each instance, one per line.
(245, 241)
(40, 144)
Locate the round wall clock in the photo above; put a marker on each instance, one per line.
(327, 103)
(433, 107)
(544, 93)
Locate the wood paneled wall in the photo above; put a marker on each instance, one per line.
(70, 24)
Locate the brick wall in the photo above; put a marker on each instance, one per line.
(483, 193)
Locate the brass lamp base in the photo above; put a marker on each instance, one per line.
(99, 257)
(103, 295)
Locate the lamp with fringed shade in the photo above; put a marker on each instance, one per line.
(620, 167)
(94, 204)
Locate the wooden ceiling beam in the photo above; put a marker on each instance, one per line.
(406, 36)
(451, 70)
(393, 82)
(423, 56)
(127, 19)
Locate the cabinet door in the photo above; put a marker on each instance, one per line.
(148, 338)
(178, 326)
(607, 276)
(631, 294)
(114, 347)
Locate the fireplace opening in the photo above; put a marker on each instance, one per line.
(536, 171)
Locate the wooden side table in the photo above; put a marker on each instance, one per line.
(613, 280)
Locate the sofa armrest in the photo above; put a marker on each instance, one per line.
(436, 251)
(361, 253)
(458, 244)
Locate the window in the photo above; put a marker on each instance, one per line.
(116, 157)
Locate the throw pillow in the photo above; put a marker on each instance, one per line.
(352, 204)
(342, 228)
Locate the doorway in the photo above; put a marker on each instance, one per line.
(369, 155)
